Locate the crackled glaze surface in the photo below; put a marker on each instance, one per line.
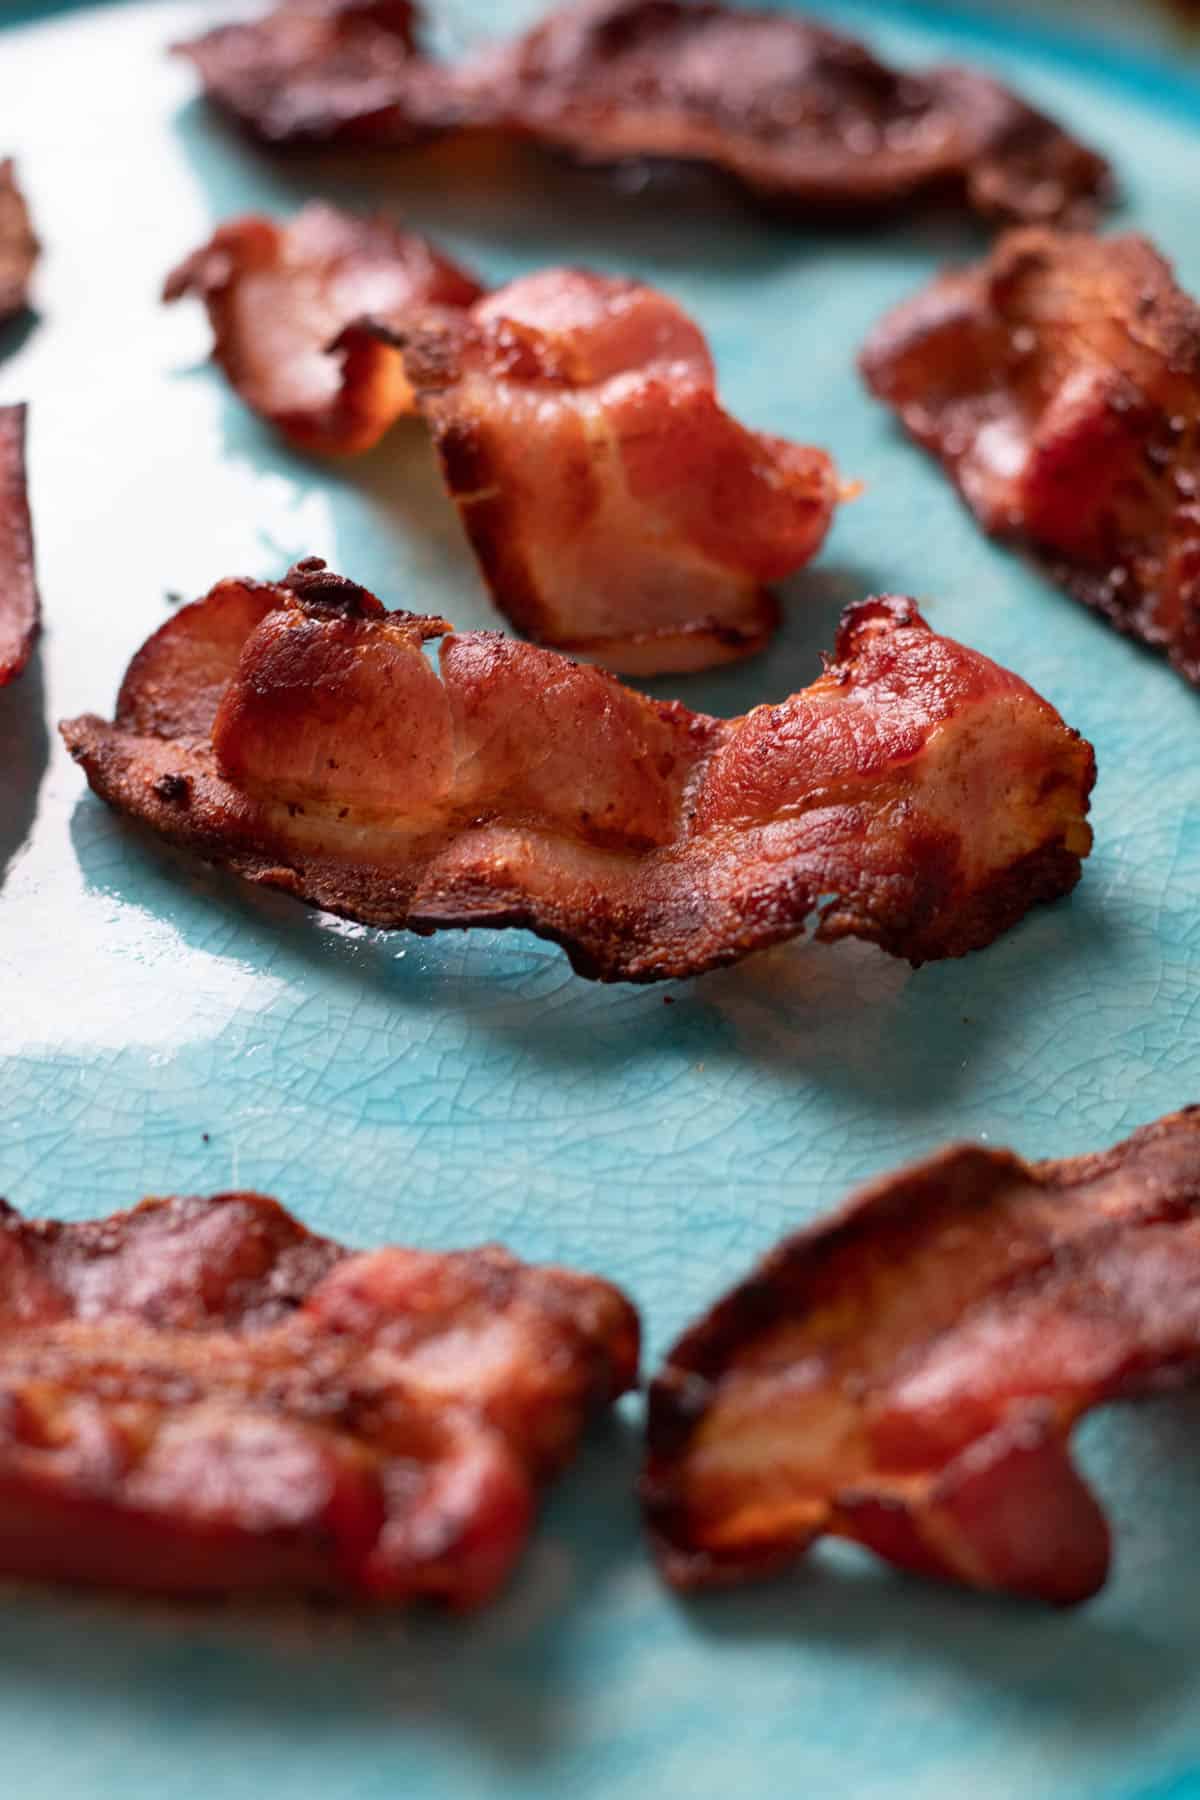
(163, 1029)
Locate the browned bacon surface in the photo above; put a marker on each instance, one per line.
(18, 589)
(800, 115)
(18, 246)
(1059, 384)
(616, 510)
(316, 71)
(199, 1396)
(907, 1372)
(277, 297)
(794, 112)
(915, 795)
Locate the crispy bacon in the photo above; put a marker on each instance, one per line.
(795, 113)
(19, 609)
(277, 297)
(798, 114)
(19, 248)
(616, 510)
(320, 71)
(199, 1396)
(907, 1372)
(1059, 384)
(915, 795)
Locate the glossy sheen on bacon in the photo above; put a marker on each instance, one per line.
(19, 609)
(199, 1396)
(1058, 382)
(915, 795)
(277, 297)
(616, 510)
(795, 113)
(907, 1372)
(19, 247)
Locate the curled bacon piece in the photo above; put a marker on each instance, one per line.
(199, 1396)
(277, 297)
(616, 510)
(19, 248)
(1058, 382)
(19, 609)
(915, 795)
(907, 1372)
(795, 113)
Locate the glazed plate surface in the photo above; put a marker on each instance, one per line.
(164, 1029)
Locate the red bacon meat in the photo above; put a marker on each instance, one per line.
(907, 1372)
(617, 511)
(278, 296)
(795, 114)
(915, 795)
(19, 608)
(1058, 383)
(201, 1397)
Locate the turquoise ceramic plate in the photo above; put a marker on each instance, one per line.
(165, 1030)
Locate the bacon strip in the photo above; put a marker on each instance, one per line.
(19, 609)
(616, 510)
(916, 795)
(320, 71)
(1058, 382)
(199, 1396)
(277, 297)
(795, 113)
(19, 248)
(907, 1372)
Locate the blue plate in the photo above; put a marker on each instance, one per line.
(166, 1030)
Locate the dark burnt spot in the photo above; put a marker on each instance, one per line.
(466, 457)
(176, 790)
(316, 585)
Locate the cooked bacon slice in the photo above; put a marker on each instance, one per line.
(907, 1372)
(19, 247)
(199, 1396)
(278, 296)
(320, 71)
(616, 510)
(19, 610)
(916, 795)
(798, 114)
(1059, 384)
(795, 113)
